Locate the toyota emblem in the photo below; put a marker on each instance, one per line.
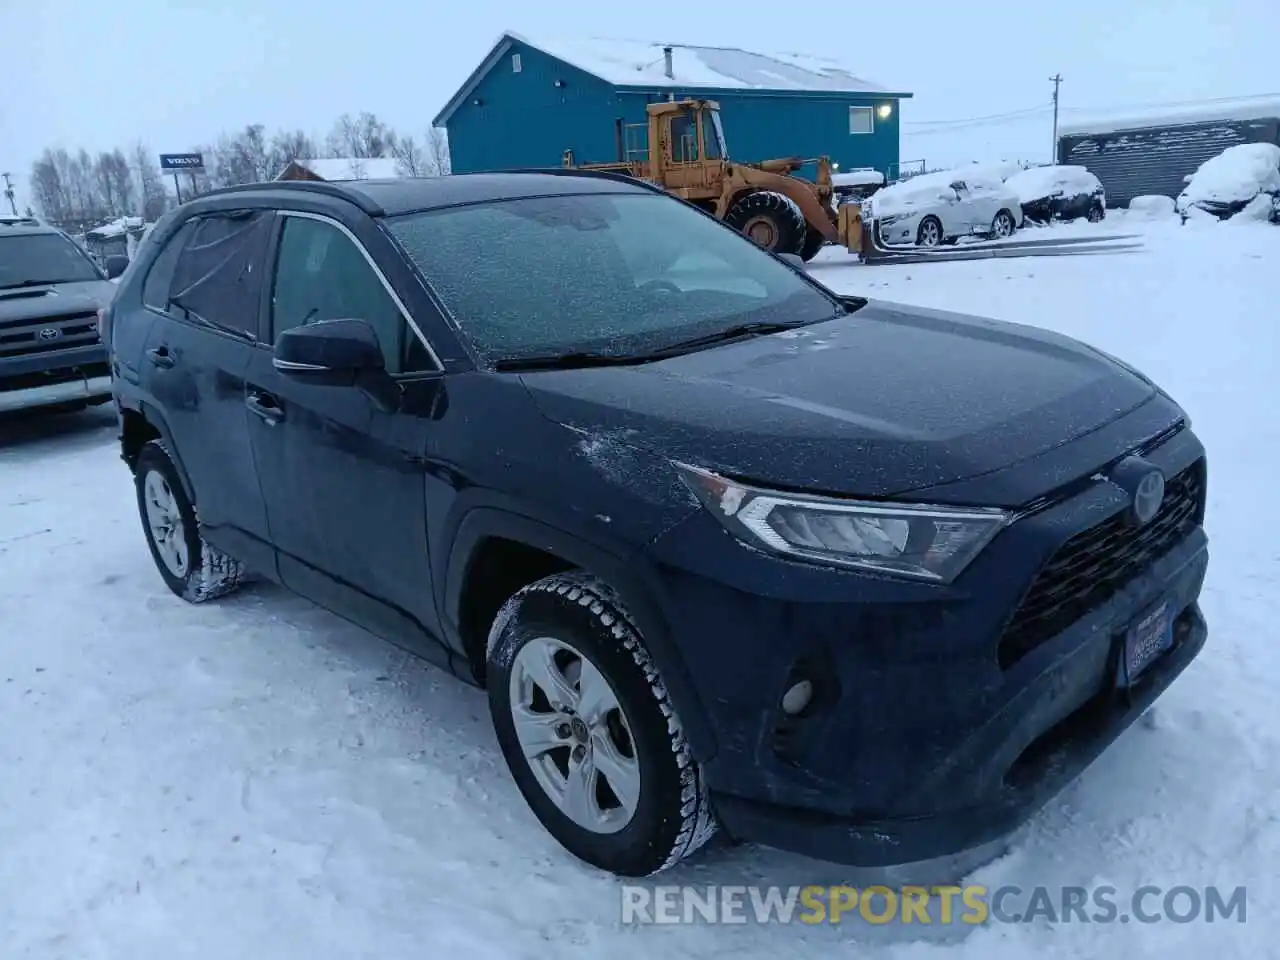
(49, 333)
(1148, 497)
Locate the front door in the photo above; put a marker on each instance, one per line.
(341, 468)
(206, 284)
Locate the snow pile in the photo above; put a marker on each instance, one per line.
(116, 228)
(1152, 207)
(1040, 182)
(1236, 175)
(643, 62)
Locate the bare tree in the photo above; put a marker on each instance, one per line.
(152, 198)
(114, 183)
(242, 158)
(287, 146)
(412, 159)
(438, 152)
(362, 136)
(49, 188)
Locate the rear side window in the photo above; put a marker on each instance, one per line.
(218, 276)
(155, 289)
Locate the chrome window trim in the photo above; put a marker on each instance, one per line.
(386, 284)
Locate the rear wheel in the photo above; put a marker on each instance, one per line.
(191, 568)
(930, 232)
(771, 220)
(1095, 214)
(586, 728)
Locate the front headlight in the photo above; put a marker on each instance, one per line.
(900, 539)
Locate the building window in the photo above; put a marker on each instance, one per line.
(861, 120)
(516, 65)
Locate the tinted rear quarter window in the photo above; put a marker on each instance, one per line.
(155, 288)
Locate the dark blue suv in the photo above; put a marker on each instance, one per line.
(727, 549)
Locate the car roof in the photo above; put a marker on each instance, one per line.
(417, 194)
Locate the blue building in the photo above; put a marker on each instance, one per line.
(528, 102)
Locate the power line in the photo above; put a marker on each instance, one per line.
(969, 121)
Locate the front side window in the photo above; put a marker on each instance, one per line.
(684, 138)
(322, 275)
(34, 259)
(155, 288)
(615, 274)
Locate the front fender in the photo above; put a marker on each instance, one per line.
(624, 569)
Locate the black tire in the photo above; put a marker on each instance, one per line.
(672, 816)
(923, 235)
(813, 243)
(1095, 214)
(779, 217)
(209, 573)
(1011, 225)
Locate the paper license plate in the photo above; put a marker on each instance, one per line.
(1144, 642)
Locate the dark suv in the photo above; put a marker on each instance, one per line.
(851, 578)
(50, 295)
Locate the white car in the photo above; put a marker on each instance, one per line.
(936, 208)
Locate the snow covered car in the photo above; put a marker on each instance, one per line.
(1244, 176)
(852, 185)
(936, 208)
(1059, 192)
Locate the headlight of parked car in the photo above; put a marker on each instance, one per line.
(919, 541)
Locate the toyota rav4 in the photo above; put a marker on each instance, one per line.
(727, 549)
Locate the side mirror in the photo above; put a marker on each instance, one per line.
(329, 352)
(794, 259)
(957, 185)
(116, 265)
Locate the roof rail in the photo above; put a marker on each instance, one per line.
(323, 187)
(19, 221)
(578, 172)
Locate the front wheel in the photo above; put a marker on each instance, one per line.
(1095, 214)
(588, 731)
(770, 219)
(1003, 226)
(930, 232)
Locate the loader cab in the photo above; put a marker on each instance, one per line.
(687, 145)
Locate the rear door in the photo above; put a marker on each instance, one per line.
(193, 366)
(342, 469)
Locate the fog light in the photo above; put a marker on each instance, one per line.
(797, 698)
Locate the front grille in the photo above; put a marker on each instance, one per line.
(1089, 568)
(20, 338)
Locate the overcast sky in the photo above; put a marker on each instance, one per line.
(177, 72)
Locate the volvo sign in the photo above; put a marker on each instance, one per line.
(182, 162)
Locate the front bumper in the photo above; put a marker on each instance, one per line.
(923, 739)
(77, 374)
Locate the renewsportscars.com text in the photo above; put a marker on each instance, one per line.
(941, 905)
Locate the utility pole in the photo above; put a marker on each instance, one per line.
(1056, 80)
(8, 192)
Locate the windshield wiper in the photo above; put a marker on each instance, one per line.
(32, 283)
(566, 361)
(736, 332)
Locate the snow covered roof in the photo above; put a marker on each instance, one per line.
(1206, 111)
(1036, 183)
(116, 228)
(857, 178)
(642, 63)
(353, 168)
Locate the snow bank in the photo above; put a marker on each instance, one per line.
(1040, 182)
(1152, 207)
(1236, 175)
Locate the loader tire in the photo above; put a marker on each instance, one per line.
(813, 241)
(771, 220)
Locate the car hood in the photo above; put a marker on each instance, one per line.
(875, 403)
(85, 296)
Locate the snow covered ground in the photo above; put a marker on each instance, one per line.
(256, 778)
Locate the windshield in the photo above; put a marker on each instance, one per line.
(719, 128)
(35, 258)
(611, 274)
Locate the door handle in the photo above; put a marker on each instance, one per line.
(265, 406)
(160, 356)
